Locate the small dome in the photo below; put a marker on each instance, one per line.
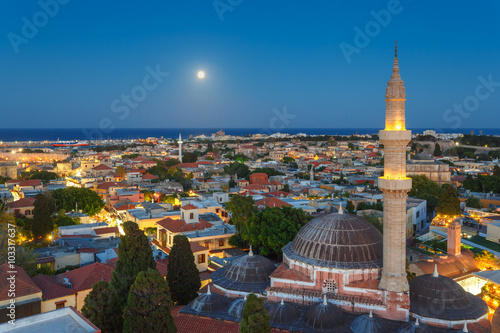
(282, 313)
(368, 323)
(337, 240)
(209, 302)
(495, 321)
(236, 308)
(324, 317)
(247, 273)
(436, 296)
(414, 327)
(422, 157)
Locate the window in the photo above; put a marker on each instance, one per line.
(221, 242)
(418, 214)
(330, 286)
(207, 244)
(201, 258)
(191, 216)
(60, 305)
(27, 212)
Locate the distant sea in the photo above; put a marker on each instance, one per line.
(67, 134)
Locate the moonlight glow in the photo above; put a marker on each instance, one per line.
(201, 74)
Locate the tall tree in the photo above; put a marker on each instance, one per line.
(120, 172)
(43, 223)
(240, 208)
(350, 207)
(236, 168)
(182, 275)
(271, 229)
(473, 202)
(426, 189)
(149, 305)
(448, 201)
(97, 309)
(88, 201)
(437, 150)
(135, 256)
(255, 318)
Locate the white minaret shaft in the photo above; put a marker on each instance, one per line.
(394, 184)
(180, 142)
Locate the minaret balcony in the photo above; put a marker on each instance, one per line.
(395, 135)
(394, 184)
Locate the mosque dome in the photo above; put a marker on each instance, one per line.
(422, 157)
(236, 308)
(247, 273)
(209, 302)
(337, 240)
(368, 323)
(415, 327)
(282, 313)
(324, 316)
(439, 297)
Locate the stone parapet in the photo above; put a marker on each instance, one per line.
(386, 184)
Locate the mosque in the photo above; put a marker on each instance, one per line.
(340, 274)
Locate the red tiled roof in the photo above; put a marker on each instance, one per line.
(254, 187)
(102, 167)
(21, 203)
(106, 230)
(182, 226)
(186, 165)
(31, 182)
(271, 202)
(50, 287)
(195, 247)
(459, 178)
(12, 181)
(284, 272)
(148, 176)
(189, 207)
(278, 193)
(162, 268)
(84, 277)
(24, 284)
(107, 185)
(189, 324)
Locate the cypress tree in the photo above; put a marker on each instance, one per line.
(255, 318)
(135, 256)
(182, 276)
(437, 150)
(149, 305)
(96, 307)
(42, 223)
(350, 207)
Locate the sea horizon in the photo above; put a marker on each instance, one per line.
(67, 134)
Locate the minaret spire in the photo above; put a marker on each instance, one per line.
(180, 142)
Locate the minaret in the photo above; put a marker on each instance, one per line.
(394, 184)
(180, 142)
(311, 173)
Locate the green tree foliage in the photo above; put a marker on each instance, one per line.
(63, 220)
(120, 172)
(3, 180)
(88, 201)
(97, 309)
(183, 276)
(288, 160)
(236, 168)
(129, 156)
(286, 188)
(461, 152)
(238, 157)
(473, 202)
(44, 176)
(366, 205)
(24, 257)
(374, 219)
(271, 229)
(426, 189)
(240, 208)
(255, 318)
(437, 150)
(135, 256)
(171, 162)
(269, 171)
(190, 157)
(480, 140)
(350, 207)
(43, 223)
(496, 171)
(483, 184)
(448, 201)
(149, 305)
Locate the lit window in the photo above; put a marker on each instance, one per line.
(60, 305)
(221, 242)
(191, 216)
(201, 258)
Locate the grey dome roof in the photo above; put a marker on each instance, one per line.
(247, 273)
(442, 298)
(236, 308)
(415, 327)
(337, 240)
(422, 157)
(324, 317)
(368, 323)
(462, 330)
(282, 313)
(209, 302)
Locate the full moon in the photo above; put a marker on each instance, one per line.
(201, 74)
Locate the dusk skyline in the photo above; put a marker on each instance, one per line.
(258, 57)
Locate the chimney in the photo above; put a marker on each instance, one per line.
(454, 238)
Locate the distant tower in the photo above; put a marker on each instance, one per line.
(311, 173)
(180, 142)
(454, 238)
(394, 184)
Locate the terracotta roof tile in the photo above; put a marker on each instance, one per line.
(21, 203)
(24, 284)
(31, 182)
(189, 207)
(84, 277)
(182, 226)
(50, 287)
(284, 272)
(271, 202)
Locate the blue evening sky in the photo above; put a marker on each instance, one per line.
(73, 70)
